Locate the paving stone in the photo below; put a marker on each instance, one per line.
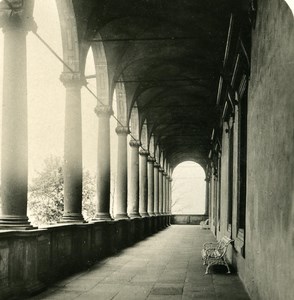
(60, 295)
(164, 297)
(167, 291)
(96, 295)
(134, 292)
(82, 284)
(197, 288)
(198, 297)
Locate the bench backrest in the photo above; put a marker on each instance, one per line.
(223, 245)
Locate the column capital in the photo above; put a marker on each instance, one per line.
(164, 173)
(143, 152)
(161, 169)
(103, 110)
(17, 15)
(156, 164)
(120, 130)
(135, 143)
(170, 179)
(151, 159)
(72, 79)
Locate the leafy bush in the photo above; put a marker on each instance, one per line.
(46, 197)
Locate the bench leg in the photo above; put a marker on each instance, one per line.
(229, 271)
(207, 268)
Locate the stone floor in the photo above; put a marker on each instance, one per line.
(166, 265)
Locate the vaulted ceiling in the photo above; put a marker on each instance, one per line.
(169, 54)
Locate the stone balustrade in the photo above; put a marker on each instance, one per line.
(30, 260)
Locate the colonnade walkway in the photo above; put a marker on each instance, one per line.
(166, 265)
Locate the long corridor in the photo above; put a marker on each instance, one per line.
(166, 265)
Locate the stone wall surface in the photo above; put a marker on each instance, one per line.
(224, 192)
(269, 259)
(188, 219)
(30, 260)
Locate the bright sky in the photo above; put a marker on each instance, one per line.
(188, 187)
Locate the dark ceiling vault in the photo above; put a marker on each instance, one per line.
(169, 54)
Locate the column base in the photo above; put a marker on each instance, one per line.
(72, 218)
(144, 214)
(121, 216)
(15, 223)
(102, 217)
(151, 214)
(134, 215)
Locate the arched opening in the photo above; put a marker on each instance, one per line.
(188, 189)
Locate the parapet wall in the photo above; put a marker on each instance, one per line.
(188, 219)
(30, 260)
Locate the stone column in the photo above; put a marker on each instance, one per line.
(160, 191)
(103, 163)
(164, 174)
(73, 172)
(143, 183)
(156, 188)
(150, 171)
(170, 195)
(14, 158)
(133, 180)
(122, 173)
(167, 194)
(206, 212)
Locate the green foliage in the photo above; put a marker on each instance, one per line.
(46, 197)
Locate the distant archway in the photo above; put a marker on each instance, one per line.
(188, 189)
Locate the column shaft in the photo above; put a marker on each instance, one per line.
(143, 184)
(122, 174)
(167, 195)
(206, 212)
(151, 206)
(103, 163)
(133, 181)
(160, 191)
(73, 173)
(14, 158)
(163, 192)
(156, 188)
(170, 196)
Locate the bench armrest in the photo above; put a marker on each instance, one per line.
(210, 253)
(209, 245)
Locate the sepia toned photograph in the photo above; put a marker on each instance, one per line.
(147, 149)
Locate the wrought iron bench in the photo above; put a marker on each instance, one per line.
(205, 224)
(215, 253)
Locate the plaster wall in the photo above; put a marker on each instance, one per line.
(268, 272)
(224, 192)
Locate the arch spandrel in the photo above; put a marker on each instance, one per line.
(134, 122)
(161, 158)
(157, 153)
(102, 78)
(121, 104)
(151, 146)
(144, 135)
(69, 35)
